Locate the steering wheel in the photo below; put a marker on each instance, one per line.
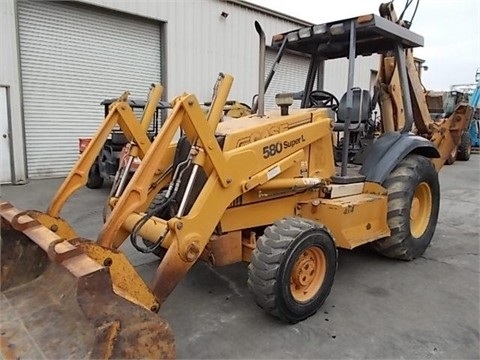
(322, 98)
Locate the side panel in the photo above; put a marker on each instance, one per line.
(352, 220)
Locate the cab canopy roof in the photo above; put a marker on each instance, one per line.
(374, 34)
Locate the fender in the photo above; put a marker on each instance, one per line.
(389, 149)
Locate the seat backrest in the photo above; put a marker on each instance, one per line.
(361, 107)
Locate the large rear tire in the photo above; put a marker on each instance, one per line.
(413, 205)
(292, 269)
(465, 147)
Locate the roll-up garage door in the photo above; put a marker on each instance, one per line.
(290, 76)
(72, 57)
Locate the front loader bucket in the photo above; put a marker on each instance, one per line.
(66, 308)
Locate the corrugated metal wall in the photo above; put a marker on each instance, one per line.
(200, 42)
(289, 77)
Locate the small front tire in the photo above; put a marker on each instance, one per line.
(292, 269)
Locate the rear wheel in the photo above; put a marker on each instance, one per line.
(413, 205)
(465, 147)
(292, 269)
(95, 180)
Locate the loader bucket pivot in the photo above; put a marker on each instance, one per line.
(67, 308)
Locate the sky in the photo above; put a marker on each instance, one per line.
(451, 29)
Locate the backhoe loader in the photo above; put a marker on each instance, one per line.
(264, 188)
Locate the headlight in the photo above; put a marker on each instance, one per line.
(304, 33)
(320, 29)
(337, 29)
(293, 36)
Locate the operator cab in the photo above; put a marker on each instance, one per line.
(364, 35)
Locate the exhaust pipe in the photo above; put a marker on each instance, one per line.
(261, 70)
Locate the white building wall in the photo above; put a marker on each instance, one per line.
(10, 78)
(336, 74)
(200, 43)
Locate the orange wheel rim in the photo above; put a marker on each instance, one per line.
(420, 210)
(308, 274)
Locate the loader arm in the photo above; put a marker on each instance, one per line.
(122, 114)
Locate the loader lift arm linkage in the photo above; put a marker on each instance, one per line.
(119, 113)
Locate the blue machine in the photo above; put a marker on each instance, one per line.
(474, 102)
(470, 139)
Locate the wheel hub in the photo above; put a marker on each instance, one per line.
(308, 274)
(305, 272)
(420, 210)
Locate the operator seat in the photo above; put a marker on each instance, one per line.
(361, 110)
(360, 129)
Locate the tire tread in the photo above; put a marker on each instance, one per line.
(399, 184)
(266, 261)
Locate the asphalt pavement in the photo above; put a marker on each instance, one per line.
(378, 308)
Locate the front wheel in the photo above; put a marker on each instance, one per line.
(413, 205)
(292, 269)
